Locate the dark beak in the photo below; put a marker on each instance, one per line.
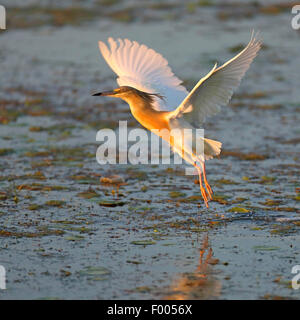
(106, 93)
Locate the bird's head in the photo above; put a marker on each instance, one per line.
(129, 93)
(121, 92)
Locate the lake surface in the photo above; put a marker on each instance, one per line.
(64, 234)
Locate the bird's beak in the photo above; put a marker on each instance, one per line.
(106, 93)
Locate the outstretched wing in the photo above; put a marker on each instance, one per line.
(142, 68)
(216, 88)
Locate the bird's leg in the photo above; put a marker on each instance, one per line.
(210, 192)
(203, 192)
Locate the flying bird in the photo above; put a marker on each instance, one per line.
(158, 100)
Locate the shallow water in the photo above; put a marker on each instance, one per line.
(64, 234)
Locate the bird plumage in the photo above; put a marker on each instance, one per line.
(158, 100)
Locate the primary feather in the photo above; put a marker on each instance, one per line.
(144, 69)
(216, 88)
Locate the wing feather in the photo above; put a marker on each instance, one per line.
(217, 87)
(144, 69)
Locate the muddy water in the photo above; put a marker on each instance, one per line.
(64, 234)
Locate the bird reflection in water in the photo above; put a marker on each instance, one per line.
(200, 284)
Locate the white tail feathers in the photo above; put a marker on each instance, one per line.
(212, 148)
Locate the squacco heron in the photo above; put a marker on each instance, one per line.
(158, 100)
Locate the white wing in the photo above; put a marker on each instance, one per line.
(216, 88)
(142, 68)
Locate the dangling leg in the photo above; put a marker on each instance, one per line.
(203, 192)
(210, 192)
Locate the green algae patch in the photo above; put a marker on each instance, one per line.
(269, 106)
(142, 289)
(138, 175)
(226, 181)
(271, 202)
(283, 230)
(38, 175)
(6, 151)
(64, 221)
(265, 248)
(95, 271)
(111, 203)
(69, 227)
(243, 156)
(55, 203)
(275, 9)
(238, 210)
(89, 194)
(36, 129)
(40, 164)
(239, 200)
(40, 187)
(267, 180)
(46, 232)
(246, 178)
(33, 154)
(176, 194)
(220, 198)
(53, 16)
(139, 209)
(84, 179)
(8, 116)
(194, 198)
(123, 16)
(34, 207)
(143, 242)
(287, 209)
(144, 188)
(253, 95)
(257, 228)
(74, 238)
